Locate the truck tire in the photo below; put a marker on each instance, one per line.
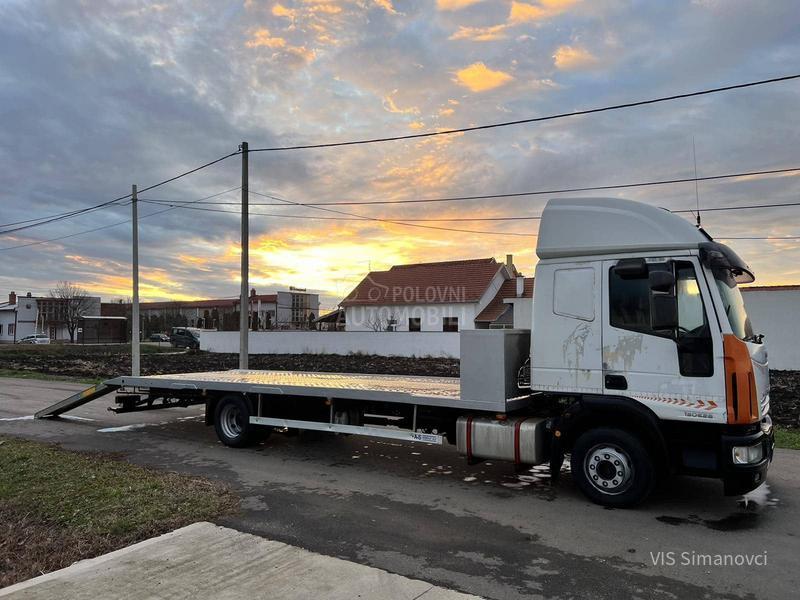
(612, 467)
(232, 422)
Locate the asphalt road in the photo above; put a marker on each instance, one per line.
(422, 512)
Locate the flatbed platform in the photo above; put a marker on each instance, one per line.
(404, 389)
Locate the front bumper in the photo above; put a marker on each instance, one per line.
(740, 479)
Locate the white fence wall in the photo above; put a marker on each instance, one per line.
(776, 314)
(336, 342)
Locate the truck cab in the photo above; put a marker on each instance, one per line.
(640, 332)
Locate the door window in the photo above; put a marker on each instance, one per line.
(695, 348)
(629, 302)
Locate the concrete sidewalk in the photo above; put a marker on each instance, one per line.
(207, 561)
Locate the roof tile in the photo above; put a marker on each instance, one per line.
(454, 281)
(497, 307)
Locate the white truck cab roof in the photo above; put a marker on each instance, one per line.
(597, 226)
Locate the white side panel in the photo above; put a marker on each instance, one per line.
(566, 350)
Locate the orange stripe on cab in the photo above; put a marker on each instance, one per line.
(740, 383)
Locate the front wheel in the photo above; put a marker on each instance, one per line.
(612, 467)
(232, 422)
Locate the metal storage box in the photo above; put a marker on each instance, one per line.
(490, 359)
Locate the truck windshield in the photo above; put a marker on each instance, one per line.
(734, 304)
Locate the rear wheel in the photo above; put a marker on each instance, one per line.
(232, 422)
(612, 467)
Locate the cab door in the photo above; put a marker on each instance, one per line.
(667, 362)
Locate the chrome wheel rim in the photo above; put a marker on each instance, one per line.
(609, 469)
(231, 421)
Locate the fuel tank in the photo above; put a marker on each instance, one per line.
(521, 439)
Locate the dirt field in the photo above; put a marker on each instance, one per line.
(103, 362)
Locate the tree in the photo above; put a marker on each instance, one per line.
(74, 303)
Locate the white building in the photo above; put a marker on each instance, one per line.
(17, 318)
(444, 296)
(775, 312)
(292, 309)
(25, 315)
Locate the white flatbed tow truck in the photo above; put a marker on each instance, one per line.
(642, 363)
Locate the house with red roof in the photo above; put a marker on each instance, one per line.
(446, 296)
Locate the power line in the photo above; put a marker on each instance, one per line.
(29, 223)
(457, 219)
(530, 120)
(320, 218)
(71, 235)
(61, 216)
(786, 237)
(58, 217)
(618, 186)
(354, 217)
(393, 222)
(740, 207)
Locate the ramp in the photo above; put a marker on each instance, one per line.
(76, 400)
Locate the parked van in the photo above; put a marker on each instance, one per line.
(185, 337)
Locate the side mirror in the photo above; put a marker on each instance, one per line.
(663, 312)
(661, 281)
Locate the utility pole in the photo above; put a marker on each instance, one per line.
(244, 301)
(135, 357)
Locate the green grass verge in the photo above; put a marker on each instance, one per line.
(787, 438)
(59, 506)
(22, 374)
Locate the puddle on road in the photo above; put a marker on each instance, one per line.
(121, 428)
(752, 504)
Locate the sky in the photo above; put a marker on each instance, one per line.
(96, 96)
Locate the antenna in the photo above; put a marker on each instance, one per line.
(696, 186)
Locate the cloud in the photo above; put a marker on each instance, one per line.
(262, 37)
(477, 77)
(389, 105)
(200, 90)
(480, 34)
(451, 5)
(574, 58)
(386, 5)
(279, 10)
(523, 12)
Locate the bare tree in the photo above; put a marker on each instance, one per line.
(376, 322)
(72, 302)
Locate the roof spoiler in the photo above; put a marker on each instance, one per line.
(718, 256)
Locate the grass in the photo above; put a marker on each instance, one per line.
(25, 374)
(12, 350)
(58, 506)
(787, 438)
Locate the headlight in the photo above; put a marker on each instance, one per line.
(748, 455)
